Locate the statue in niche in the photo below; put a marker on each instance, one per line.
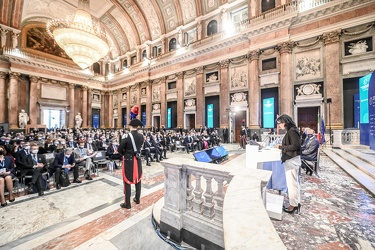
(23, 118)
(124, 96)
(358, 47)
(156, 94)
(115, 114)
(79, 120)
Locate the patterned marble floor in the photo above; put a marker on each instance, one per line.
(336, 214)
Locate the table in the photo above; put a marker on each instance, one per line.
(278, 179)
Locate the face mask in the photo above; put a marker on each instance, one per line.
(115, 143)
(7, 141)
(63, 143)
(89, 141)
(71, 140)
(34, 151)
(1, 152)
(81, 146)
(27, 147)
(67, 156)
(56, 143)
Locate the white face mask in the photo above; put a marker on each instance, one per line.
(27, 147)
(35, 151)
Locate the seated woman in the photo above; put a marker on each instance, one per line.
(6, 176)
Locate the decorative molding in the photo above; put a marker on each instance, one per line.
(238, 60)
(285, 47)
(211, 66)
(71, 85)
(34, 78)
(14, 75)
(268, 52)
(199, 70)
(179, 75)
(298, 45)
(253, 55)
(3, 75)
(332, 37)
(224, 64)
(345, 32)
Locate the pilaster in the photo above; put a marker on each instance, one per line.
(224, 92)
(254, 89)
(200, 97)
(71, 105)
(33, 100)
(84, 106)
(3, 97)
(180, 100)
(13, 100)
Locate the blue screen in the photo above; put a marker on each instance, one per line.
(268, 113)
(169, 118)
(144, 118)
(222, 151)
(95, 120)
(213, 154)
(363, 97)
(210, 115)
(202, 156)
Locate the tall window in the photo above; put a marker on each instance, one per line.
(172, 44)
(268, 5)
(96, 68)
(212, 28)
(125, 63)
(144, 55)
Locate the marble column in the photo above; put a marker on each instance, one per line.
(286, 82)
(71, 105)
(33, 100)
(180, 100)
(148, 104)
(224, 93)
(102, 109)
(3, 97)
(110, 109)
(163, 103)
(333, 83)
(254, 90)
(84, 107)
(89, 107)
(13, 100)
(200, 97)
(253, 8)
(128, 105)
(119, 109)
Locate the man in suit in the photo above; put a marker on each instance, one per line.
(64, 160)
(81, 154)
(112, 151)
(132, 169)
(309, 153)
(148, 144)
(225, 134)
(36, 165)
(189, 143)
(91, 145)
(71, 142)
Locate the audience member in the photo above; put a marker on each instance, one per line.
(64, 160)
(83, 159)
(6, 176)
(309, 152)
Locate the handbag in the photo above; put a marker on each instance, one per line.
(64, 179)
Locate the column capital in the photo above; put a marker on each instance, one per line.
(199, 70)
(14, 75)
(179, 75)
(224, 64)
(285, 47)
(84, 88)
(3, 75)
(332, 36)
(125, 89)
(34, 78)
(253, 55)
(72, 85)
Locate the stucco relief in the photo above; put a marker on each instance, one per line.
(239, 98)
(156, 107)
(152, 19)
(133, 99)
(50, 8)
(126, 26)
(156, 93)
(188, 9)
(239, 77)
(309, 89)
(190, 85)
(190, 104)
(115, 102)
(358, 47)
(308, 65)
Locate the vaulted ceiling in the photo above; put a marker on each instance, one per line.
(128, 23)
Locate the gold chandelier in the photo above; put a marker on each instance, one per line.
(82, 38)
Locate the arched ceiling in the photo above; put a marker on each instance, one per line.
(128, 23)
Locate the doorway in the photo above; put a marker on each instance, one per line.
(156, 121)
(240, 116)
(53, 118)
(308, 117)
(189, 121)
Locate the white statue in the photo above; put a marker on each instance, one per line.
(23, 118)
(78, 120)
(115, 114)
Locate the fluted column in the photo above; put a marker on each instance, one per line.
(286, 84)
(71, 105)
(119, 109)
(3, 97)
(333, 82)
(33, 100)
(200, 97)
(110, 109)
(180, 101)
(13, 100)
(102, 109)
(89, 107)
(224, 92)
(148, 105)
(84, 106)
(254, 90)
(163, 102)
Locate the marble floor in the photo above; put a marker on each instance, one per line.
(336, 213)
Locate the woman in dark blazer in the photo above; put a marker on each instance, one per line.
(6, 176)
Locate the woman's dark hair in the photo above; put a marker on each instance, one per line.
(287, 120)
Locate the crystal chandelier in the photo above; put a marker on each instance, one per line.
(82, 38)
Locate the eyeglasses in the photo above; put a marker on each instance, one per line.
(279, 122)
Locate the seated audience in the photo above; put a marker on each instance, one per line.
(35, 164)
(189, 143)
(112, 151)
(6, 176)
(81, 154)
(64, 160)
(309, 151)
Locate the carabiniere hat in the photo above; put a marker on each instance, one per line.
(135, 123)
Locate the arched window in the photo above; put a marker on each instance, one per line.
(268, 5)
(125, 63)
(144, 55)
(96, 68)
(172, 44)
(212, 28)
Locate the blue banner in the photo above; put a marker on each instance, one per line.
(124, 120)
(363, 96)
(169, 118)
(356, 110)
(269, 112)
(95, 121)
(371, 108)
(210, 115)
(144, 118)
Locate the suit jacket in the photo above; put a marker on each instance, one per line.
(188, 140)
(310, 150)
(80, 154)
(102, 146)
(111, 150)
(22, 161)
(9, 164)
(71, 144)
(59, 160)
(93, 146)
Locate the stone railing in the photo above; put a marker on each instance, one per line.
(268, 140)
(346, 138)
(197, 210)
